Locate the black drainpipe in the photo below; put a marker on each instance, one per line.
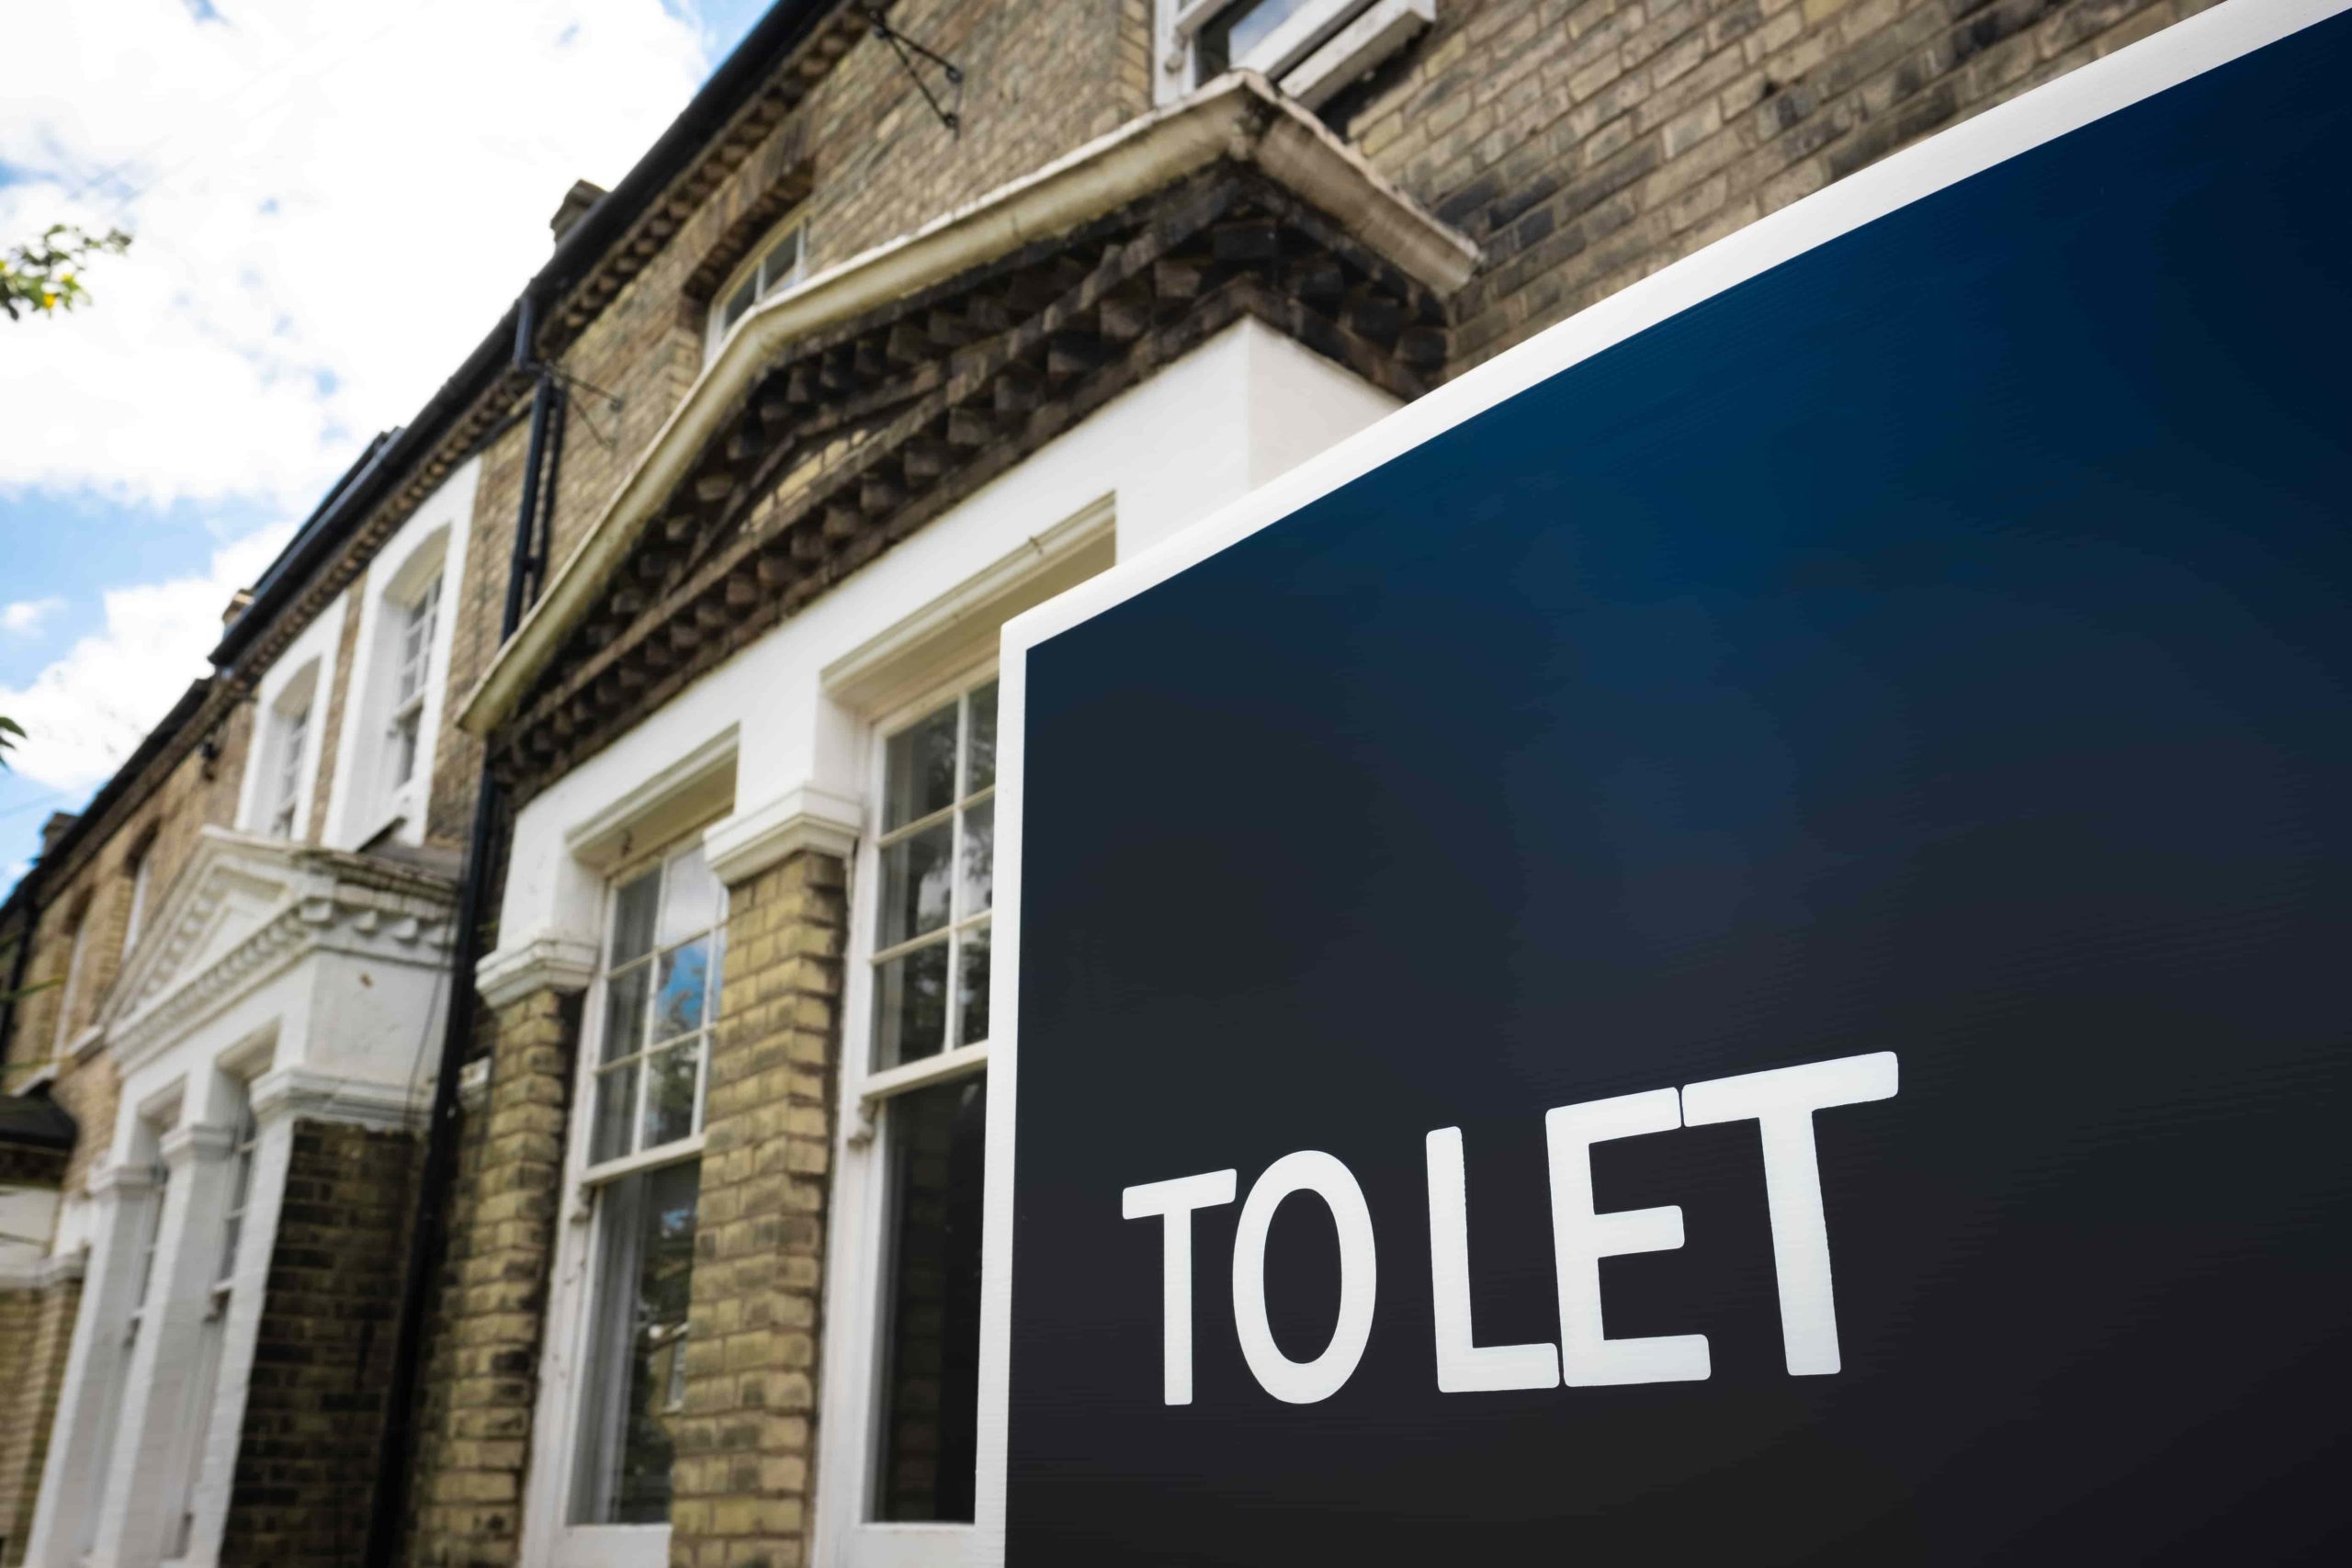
(437, 1180)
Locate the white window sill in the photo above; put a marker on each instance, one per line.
(609, 1546)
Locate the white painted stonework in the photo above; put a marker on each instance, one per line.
(777, 745)
(275, 978)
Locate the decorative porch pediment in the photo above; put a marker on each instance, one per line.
(245, 906)
(843, 416)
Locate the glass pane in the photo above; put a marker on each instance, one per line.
(911, 1006)
(931, 1384)
(972, 987)
(1226, 41)
(636, 1380)
(979, 859)
(624, 1012)
(782, 262)
(981, 766)
(736, 303)
(915, 882)
(616, 1110)
(919, 770)
(633, 917)
(691, 905)
(669, 1094)
(685, 982)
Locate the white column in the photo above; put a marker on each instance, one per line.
(274, 1115)
(66, 1509)
(138, 1514)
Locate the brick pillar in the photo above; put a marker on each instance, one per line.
(307, 1454)
(745, 1443)
(481, 1375)
(36, 1330)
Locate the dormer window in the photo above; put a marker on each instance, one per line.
(781, 263)
(1310, 49)
(418, 620)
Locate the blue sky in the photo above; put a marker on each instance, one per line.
(293, 288)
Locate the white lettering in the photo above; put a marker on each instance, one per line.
(1173, 1203)
(1781, 1103)
(1581, 1238)
(1303, 1382)
(1462, 1366)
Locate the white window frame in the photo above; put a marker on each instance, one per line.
(289, 756)
(755, 271)
(420, 618)
(1311, 56)
(550, 1537)
(849, 1430)
(142, 872)
(367, 800)
(76, 953)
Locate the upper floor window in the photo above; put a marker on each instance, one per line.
(69, 995)
(142, 872)
(1310, 49)
(288, 748)
(780, 262)
(418, 620)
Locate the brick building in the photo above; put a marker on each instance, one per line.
(656, 1238)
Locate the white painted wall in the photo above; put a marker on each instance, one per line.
(363, 801)
(1238, 410)
(310, 656)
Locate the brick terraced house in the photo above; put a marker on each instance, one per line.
(498, 1077)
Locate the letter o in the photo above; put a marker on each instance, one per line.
(1303, 1382)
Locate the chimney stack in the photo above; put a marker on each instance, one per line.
(54, 830)
(584, 195)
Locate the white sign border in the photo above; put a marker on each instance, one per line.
(2185, 50)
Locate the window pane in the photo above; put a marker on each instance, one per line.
(691, 904)
(972, 987)
(1226, 41)
(911, 1006)
(636, 1377)
(736, 303)
(616, 1110)
(669, 1094)
(979, 860)
(685, 982)
(782, 262)
(624, 1012)
(981, 766)
(931, 1387)
(633, 918)
(919, 770)
(916, 877)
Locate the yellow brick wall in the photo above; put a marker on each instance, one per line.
(745, 1443)
(36, 1327)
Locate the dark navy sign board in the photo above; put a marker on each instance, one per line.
(1937, 645)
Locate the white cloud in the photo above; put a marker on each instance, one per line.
(331, 204)
(26, 616)
(87, 711)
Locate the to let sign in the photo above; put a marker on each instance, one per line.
(1725, 942)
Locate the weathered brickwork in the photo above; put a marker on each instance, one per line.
(36, 1327)
(158, 822)
(743, 1470)
(482, 1373)
(307, 1454)
(1587, 143)
(478, 603)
